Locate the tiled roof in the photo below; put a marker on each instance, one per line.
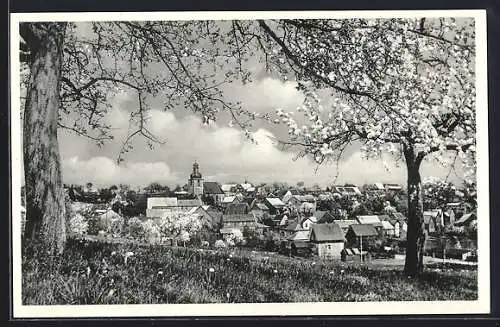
(374, 220)
(345, 223)
(237, 208)
(387, 225)
(301, 235)
(275, 202)
(326, 232)
(238, 218)
(212, 188)
(228, 199)
(363, 230)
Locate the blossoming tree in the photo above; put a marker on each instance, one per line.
(180, 225)
(403, 87)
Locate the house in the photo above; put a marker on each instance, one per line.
(300, 236)
(308, 222)
(213, 190)
(275, 205)
(345, 223)
(239, 221)
(392, 187)
(227, 200)
(388, 228)
(237, 208)
(433, 221)
(290, 229)
(229, 189)
(328, 239)
(370, 219)
(158, 206)
(259, 209)
(347, 190)
(361, 235)
(207, 217)
(398, 220)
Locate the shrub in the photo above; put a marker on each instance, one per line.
(136, 228)
(220, 244)
(78, 225)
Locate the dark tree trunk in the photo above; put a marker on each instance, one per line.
(415, 236)
(45, 230)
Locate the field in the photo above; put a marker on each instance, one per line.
(99, 273)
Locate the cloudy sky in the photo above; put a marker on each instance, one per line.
(222, 151)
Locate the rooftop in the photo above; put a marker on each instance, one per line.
(326, 232)
(363, 230)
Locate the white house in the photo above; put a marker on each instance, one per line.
(328, 239)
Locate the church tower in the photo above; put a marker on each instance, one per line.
(195, 183)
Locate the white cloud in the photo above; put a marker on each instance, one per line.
(266, 95)
(103, 171)
(225, 155)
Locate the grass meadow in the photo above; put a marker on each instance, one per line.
(103, 273)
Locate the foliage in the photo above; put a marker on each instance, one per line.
(136, 228)
(95, 273)
(78, 225)
(179, 225)
(437, 193)
(219, 244)
(234, 238)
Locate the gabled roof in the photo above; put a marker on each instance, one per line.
(431, 215)
(393, 186)
(363, 230)
(228, 199)
(237, 208)
(387, 225)
(245, 186)
(348, 189)
(301, 235)
(326, 232)
(288, 195)
(212, 188)
(345, 223)
(369, 219)
(275, 202)
(379, 186)
(311, 218)
(248, 217)
(161, 202)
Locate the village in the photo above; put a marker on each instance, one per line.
(347, 223)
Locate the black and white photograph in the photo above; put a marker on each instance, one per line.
(249, 163)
